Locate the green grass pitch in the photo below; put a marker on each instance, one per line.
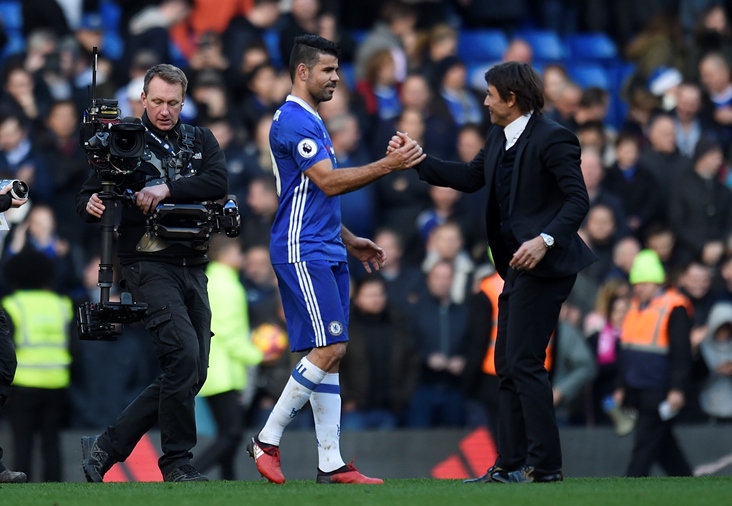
(715, 491)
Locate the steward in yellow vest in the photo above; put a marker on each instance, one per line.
(39, 319)
(655, 364)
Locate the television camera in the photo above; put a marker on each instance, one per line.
(115, 147)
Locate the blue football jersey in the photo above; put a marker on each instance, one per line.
(307, 225)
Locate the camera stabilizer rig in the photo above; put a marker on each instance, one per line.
(101, 321)
(113, 148)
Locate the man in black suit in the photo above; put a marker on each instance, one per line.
(536, 202)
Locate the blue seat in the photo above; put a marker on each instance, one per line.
(590, 74)
(482, 45)
(476, 74)
(272, 41)
(620, 73)
(546, 45)
(359, 36)
(11, 14)
(347, 72)
(177, 57)
(591, 47)
(113, 45)
(111, 14)
(15, 44)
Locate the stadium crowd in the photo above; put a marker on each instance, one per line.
(655, 137)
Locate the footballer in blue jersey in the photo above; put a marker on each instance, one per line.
(307, 225)
(308, 250)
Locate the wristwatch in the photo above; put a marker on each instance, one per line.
(548, 240)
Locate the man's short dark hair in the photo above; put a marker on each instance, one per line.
(393, 11)
(308, 49)
(628, 135)
(594, 95)
(592, 125)
(520, 79)
(29, 270)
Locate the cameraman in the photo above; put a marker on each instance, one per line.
(186, 165)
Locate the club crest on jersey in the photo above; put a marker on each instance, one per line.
(307, 148)
(335, 328)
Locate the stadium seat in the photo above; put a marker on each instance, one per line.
(546, 45)
(11, 14)
(620, 73)
(481, 45)
(590, 74)
(272, 41)
(476, 74)
(591, 47)
(347, 73)
(359, 36)
(15, 44)
(177, 57)
(113, 45)
(111, 14)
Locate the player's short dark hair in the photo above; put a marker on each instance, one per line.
(520, 79)
(307, 50)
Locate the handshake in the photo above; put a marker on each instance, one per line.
(403, 152)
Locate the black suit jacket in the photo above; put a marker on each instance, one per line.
(548, 193)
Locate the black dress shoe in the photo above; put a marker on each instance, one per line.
(529, 474)
(493, 475)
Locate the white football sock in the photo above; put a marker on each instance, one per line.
(326, 404)
(304, 379)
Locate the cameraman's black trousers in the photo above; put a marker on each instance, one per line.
(179, 320)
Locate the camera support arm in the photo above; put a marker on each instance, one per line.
(106, 274)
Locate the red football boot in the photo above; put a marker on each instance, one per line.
(347, 474)
(267, 459)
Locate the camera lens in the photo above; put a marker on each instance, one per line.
(127, 139)
(20, 190)
(125, 142)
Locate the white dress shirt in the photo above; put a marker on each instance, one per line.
(514, 129)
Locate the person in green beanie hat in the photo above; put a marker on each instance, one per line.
(655, 364)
